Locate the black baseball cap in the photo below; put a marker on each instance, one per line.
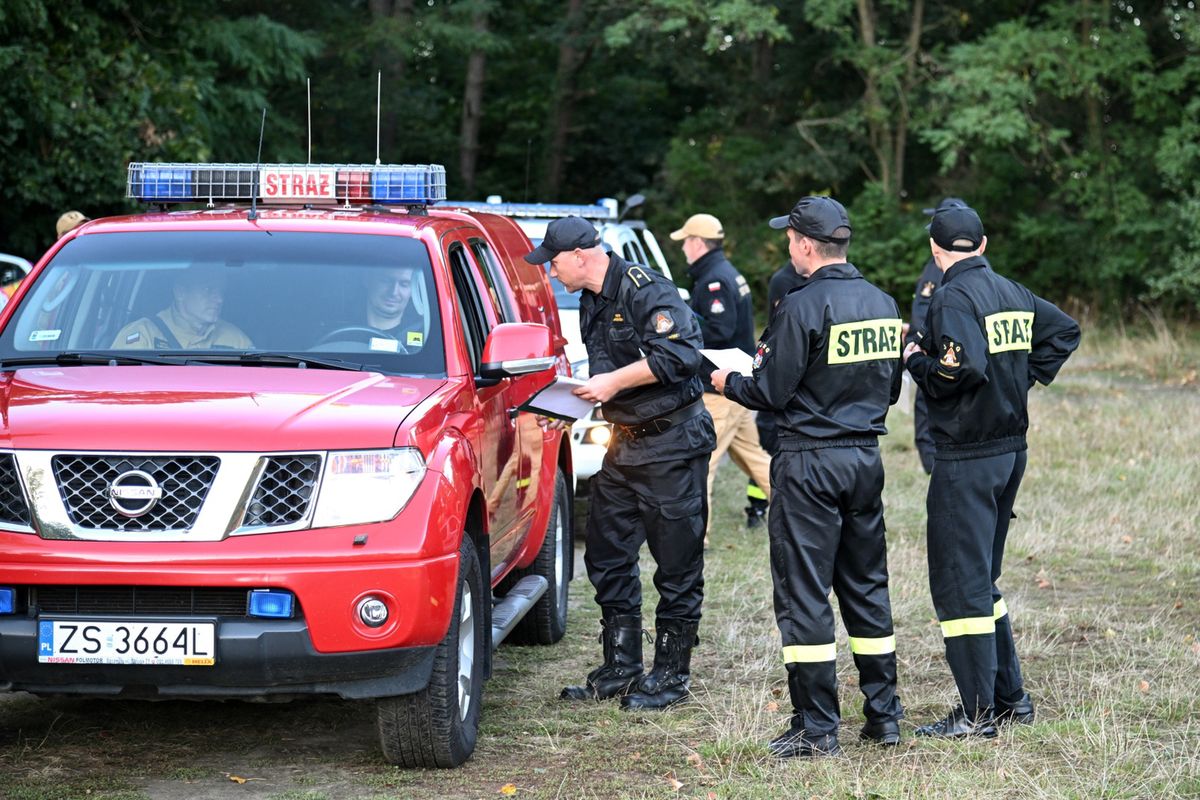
(957, 224)
(947, 202)
(562, 235)
(817, 218)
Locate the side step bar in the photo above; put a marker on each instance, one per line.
(515, 605)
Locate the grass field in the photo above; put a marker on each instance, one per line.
(1102, 578)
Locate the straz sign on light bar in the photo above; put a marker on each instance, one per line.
(297, 183)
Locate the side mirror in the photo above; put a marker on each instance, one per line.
(632, 202)
(517, 348)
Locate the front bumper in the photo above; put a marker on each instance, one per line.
(255, 658)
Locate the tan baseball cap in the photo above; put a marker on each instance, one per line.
(706, 226)
(69, 222)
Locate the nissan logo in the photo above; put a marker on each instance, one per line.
(133, 493)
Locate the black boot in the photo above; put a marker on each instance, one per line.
(960, 725)
(756, 514)
(666, 684)
(1018, 713)
(795, 742)
(622, 640)
(886, 733)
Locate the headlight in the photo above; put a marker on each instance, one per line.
(598, 435)
(579, 369)
(367, 485)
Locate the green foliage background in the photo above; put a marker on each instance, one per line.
(1073, 126)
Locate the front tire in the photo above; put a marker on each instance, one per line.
(438, 726)
(546, 622)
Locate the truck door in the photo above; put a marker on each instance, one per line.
(499, 451)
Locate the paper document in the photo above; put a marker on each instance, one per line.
(557, 401)
(730, 358)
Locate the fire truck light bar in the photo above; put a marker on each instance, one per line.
(536, 210)
(348, 184)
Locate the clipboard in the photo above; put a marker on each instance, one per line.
(557, 401)
(730, 358)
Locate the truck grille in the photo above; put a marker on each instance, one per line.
(84, 482)
(137, 600)
(284, 491)
(13, 508)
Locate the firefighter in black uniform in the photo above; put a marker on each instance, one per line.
(721, 301)
(986, 341)
(782, 281)
(644, 351)
(829, 362)
(927, 283)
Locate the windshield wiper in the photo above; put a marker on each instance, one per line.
(77, 359)
(258, 358)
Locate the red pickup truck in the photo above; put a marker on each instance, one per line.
(274, 447)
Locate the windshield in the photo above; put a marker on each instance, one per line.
(564, 298)
(365, 299)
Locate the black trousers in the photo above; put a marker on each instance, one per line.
(826, 528)
(923, 439)
(664, 504)
(969, 504)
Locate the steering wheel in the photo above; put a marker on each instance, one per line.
(373, 333)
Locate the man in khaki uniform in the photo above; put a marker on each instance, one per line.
(721, 301)
(192, 321)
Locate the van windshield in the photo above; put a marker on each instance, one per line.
(366, 299)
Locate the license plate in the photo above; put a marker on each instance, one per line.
(187, 644)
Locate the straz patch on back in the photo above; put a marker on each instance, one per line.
(1009, 330)
(868, 340)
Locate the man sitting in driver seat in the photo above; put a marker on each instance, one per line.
(192, 321)
(392, 308)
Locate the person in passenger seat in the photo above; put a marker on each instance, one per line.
(192, 321)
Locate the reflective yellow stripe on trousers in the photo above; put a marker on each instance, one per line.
(878, 646)
(975, 626)
(809, 653)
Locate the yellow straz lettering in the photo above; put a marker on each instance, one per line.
(1009, 330)
(869, 340)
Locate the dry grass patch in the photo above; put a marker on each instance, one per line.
(1101, 577)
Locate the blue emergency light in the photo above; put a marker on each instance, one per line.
(271, 604)
(310, 184)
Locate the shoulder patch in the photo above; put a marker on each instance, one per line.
(761, 355)
(715, 286)
(663, 322)
(927, 289)
(950, 351)
(638, 275)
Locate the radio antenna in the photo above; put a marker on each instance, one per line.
(378, 101)
(308, 91)
(257, 168)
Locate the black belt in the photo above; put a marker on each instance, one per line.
(662, 424)
(800, 444)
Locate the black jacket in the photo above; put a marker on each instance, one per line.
(829, 362)
(783, 280)
(638, 314)
(986, 341)
(721, 299)
(927, 284)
